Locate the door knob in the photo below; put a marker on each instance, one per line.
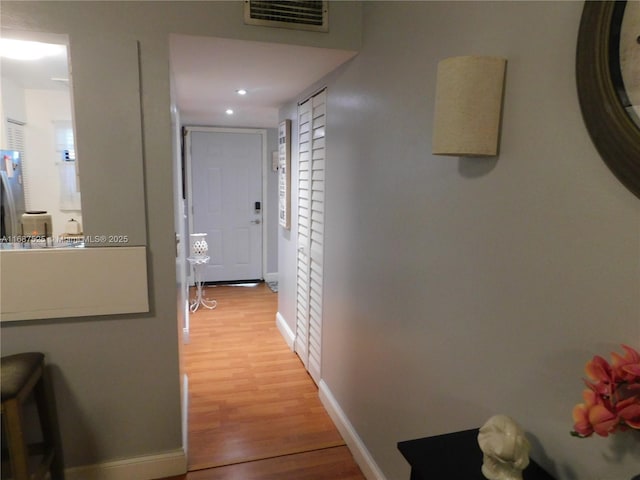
(255, 222)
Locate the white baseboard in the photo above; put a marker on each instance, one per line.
(271, 277)
(285, 331)
(358, 449)
(141, 468)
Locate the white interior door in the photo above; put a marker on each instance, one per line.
(226, 200)
(311, 165)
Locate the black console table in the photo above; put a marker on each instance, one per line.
(454, 455)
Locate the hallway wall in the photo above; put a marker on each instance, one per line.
(272, 204)
(460, 288)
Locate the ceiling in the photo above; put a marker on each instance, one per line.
(207, 71)
(46, 73)
(49, 73)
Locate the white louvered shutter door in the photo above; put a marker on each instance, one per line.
(316, 249)
(311, 188)
(304, 203)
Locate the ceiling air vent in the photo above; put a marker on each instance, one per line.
(301, 15)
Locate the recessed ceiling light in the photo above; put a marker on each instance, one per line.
(228, 111)
(241, 91)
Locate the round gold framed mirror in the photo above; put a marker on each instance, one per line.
(607, 107)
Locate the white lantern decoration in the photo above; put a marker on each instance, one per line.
(199, 247)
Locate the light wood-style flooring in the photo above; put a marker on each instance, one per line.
(254, 412)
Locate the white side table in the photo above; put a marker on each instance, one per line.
(197, 264)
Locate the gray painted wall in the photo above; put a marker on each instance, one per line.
(272, 204)
(117, 378)
(456, 289)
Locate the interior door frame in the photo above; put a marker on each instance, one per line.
(265, 219)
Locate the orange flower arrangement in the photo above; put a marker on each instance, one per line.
(612, 399)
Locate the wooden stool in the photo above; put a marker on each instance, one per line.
(21, 375)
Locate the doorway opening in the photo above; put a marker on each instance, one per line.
(208, 74)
